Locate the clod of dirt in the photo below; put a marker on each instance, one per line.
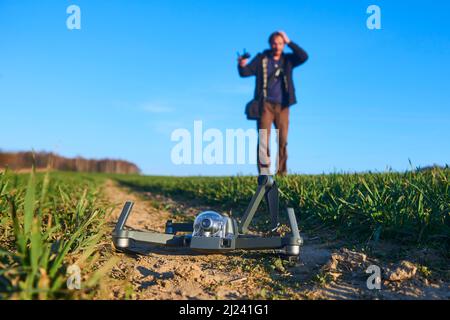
(346, 260)
(399, 272)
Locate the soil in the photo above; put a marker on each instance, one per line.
(325, 270)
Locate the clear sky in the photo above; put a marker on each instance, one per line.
(137, 70)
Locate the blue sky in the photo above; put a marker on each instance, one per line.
(137, 70)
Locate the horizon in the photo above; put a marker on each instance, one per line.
(411, 168)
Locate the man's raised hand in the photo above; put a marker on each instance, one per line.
(285, 37)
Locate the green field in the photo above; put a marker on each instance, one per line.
(50, 221)
(47, 222)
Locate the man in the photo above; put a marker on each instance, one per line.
(275, 89)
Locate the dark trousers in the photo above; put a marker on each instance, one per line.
(272, 113)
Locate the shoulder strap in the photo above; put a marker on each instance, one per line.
(265, 80)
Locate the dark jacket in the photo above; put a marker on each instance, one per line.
(289, 62)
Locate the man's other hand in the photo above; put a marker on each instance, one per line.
(242, 62)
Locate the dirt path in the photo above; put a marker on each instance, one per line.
(324, 271)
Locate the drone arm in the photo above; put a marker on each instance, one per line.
(122, 236)
(265, 185)
(272, 199)
(124, 216)
(293, 223)
(251, 209)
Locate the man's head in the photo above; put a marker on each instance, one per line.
(276, 42)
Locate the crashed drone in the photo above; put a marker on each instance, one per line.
(213, 232)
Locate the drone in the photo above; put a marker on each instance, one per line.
(213, 232)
